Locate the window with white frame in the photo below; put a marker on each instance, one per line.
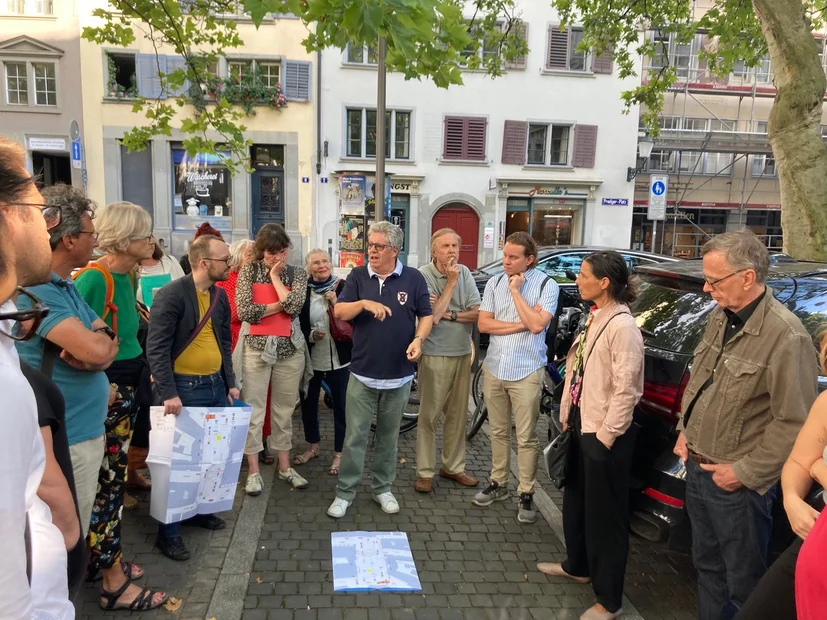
(669, 123)
(690, 161)
(761, 72)
(361, 133)
(682, 55)
(17, 83)
(695, 124)
(485, 51)
(360, 54)
(267, 72)
(563, 52)
(45, 83)
(548, 144)
(660, 160)
(26, 7)
(722, 124)
(763, 166)
(718, 164)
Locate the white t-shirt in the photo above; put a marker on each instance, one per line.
(22, 461)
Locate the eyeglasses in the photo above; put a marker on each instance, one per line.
(93, 233)
(142, 238)
(220, 260)
(713, 283)
(50, 213)
(379, 247)
(21, 325)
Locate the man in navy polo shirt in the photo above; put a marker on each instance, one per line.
(384, 301)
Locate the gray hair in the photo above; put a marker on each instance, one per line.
(237, 252)
(312, 253)
(73, 205)
(394, 234)
(742, 250)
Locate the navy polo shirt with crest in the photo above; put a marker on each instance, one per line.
(379, 347)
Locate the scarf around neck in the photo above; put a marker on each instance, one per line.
(320, 288)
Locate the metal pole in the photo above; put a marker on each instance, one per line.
(379, 192)
(654, 234)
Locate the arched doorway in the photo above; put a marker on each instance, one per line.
(466, 222)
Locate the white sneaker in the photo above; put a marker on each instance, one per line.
(254, 484)
(388, 502)
(338, 508)
(292, 477)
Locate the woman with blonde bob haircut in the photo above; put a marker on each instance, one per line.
(109, 286)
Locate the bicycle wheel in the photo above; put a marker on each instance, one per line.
(410, 416)
(479, 416)
(476, 386)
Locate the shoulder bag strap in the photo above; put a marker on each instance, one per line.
(200, 326)
(51, 353)
(582, 372)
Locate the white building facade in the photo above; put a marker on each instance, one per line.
(544, 149)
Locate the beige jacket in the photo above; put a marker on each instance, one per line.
(613, 376)
(765, 383)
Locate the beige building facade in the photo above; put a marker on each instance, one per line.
(713, 146)
(41, 101)
(182, 191)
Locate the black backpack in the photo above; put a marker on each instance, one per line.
(551, 330)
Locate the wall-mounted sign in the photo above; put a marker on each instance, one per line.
(323, 180)
(305, 179)
(488, 236)
(76, 156)
(47, 144)
(615, 202)
(401, 188)
(554, 191)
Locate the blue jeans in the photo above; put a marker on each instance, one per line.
(730, 541)
(196, 391)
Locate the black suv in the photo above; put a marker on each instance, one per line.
(672, 312)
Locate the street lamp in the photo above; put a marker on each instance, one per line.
(644, 148)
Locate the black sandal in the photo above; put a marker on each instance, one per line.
(142, 602)
(265, 457)
(128, 569)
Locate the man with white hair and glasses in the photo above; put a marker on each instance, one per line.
(752, 384)
(390, 308)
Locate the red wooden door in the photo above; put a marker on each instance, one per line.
(464, 220)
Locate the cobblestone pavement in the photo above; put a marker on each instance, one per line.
(474, 563)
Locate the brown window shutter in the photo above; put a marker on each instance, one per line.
(515, 135)
(521, 62)
(585, 146)
(603, 63)
(453, 137)
(475, 139)
(558, 48)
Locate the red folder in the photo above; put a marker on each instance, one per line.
(274, 325)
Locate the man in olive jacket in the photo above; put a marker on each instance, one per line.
(192, 369)
(753, 382)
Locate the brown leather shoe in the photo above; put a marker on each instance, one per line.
(463, 478)
(424, 485)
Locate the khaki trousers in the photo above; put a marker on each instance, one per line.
(284, 378)
(444, 385)
(86, 459)
(523, 398)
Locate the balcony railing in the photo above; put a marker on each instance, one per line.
(693, 70)
(713, 141)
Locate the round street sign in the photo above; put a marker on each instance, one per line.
(658, 188)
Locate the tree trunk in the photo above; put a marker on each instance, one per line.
(795, 126)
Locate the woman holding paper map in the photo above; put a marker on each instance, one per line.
(269, 296)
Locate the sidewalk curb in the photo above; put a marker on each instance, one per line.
(551, 513)
(227, 601)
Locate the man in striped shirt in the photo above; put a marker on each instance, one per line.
(516, 310)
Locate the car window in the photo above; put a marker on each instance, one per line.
(810, 305)
(633, 261)
(556, 265)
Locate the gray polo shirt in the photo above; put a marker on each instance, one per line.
(449, 338)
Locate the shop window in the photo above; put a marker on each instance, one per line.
(360, 54)
(548, 144)
(551, 226)
(201, 190)
(361, 133)
(767, 226)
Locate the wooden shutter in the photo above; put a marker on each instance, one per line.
(521, 61)
(297, 80)
(603, 63)
(475, 139)
(147, 76)
(585, 146)
(515, 135)
(558, 47)
(464, 138)
(173, 64)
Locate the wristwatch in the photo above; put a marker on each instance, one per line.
(453, 315)
(108, 331)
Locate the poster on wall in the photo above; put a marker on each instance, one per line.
(352, 192)
(349, 260)
(352, 233)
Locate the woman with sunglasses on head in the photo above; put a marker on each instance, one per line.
(271, 360)
(110, 287)
(600, 393)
